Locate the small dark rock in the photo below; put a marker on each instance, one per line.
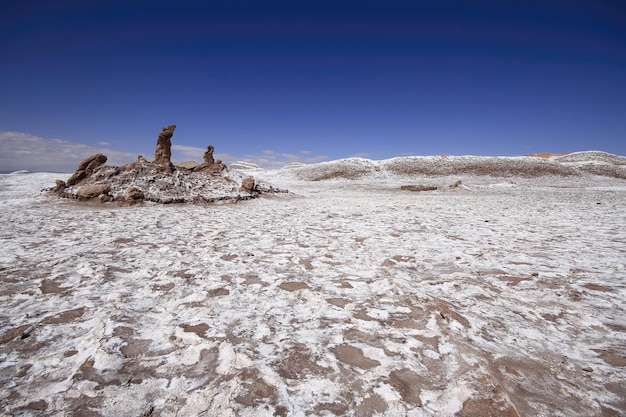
(418, 187)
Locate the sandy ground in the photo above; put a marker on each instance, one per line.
(502, 297)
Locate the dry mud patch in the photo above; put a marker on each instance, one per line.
(485, 301)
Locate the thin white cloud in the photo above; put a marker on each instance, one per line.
(185, 153)
(269, 158)
(273, 160)
(20, 150)
(361, 155)
(104, 143)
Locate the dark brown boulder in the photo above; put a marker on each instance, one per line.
(92, 191)
(132, 194)
(163, 152)
(86, 168)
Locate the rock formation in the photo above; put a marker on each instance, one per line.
(248, 184)
(163, 152)
(208, 155)
(210, 165)
(159, 181)
(86, 168)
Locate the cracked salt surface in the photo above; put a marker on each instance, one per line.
(500, 297)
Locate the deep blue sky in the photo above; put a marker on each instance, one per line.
(275, 81)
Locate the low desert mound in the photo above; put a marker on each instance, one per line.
(160, 181)
(573, 164)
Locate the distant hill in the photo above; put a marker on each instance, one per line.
(571, 164)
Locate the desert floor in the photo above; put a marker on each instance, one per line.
(501, 297)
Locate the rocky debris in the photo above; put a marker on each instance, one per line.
(143, 180)
(86, 168)
(455, 184)
(163, 152)
(418, 187)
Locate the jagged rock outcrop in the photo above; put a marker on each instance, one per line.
(210, 165)
(163, 152)
(208, 155)
(159, 181)
(86, 168)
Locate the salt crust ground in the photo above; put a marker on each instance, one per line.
(504, 296)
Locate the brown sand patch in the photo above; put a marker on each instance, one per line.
(430, 341)
(65, 316)
(184, 274)
(611, 357)
(294, 286)
(164, 287)
(353, 356)
(616, 327)
(198, 329)
(307, 263)
(339, 302)
(447, 312)
(343, 283)
(254, 389)
(299, 364)
(406, 323)
(487, 407)
(355, 335)
(362, 315)
(219, 292)
(39, 406)
(372, 405)
(123, 331)
(22, 332)
(52, 287)
(252, 278)
(135, 347)
(553, 317)
(336, 408)
(408, 384)
(597, 287)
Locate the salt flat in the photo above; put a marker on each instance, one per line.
(503, 296)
